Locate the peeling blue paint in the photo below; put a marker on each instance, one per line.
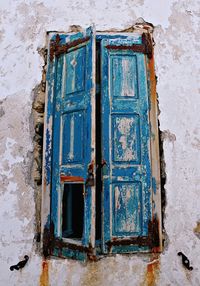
(126, 140)
(72, 130)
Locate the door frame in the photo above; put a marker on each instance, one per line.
(154, 139)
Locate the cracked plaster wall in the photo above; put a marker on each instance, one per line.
(23, 26)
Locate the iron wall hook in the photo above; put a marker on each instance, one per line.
(21, 264)
(185, 261)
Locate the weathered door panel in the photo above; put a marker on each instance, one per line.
(126, 150)
(74, 134)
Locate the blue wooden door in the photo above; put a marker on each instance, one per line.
(73, 140)
(126, 151)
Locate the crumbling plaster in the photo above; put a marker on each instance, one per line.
(23, 32)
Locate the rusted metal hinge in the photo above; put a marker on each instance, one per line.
(61, 245)
(57, 49)
(146, 47)
(140, 240)
(147, 41)
(152, 240)
(153, 233)
(53, 46)
(48, 240)
(50, 243)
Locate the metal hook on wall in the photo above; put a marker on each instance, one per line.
(185, 261)
(21, 264)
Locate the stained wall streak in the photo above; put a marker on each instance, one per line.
(38, 124)
(152, 272)
(44, 276)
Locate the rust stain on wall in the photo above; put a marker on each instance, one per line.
(44, 277)
(152, 272)
(197, 230)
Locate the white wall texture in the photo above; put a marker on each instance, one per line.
(177, 56)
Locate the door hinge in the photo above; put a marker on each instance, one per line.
(57, 49)
(146, 47)
(147, 42)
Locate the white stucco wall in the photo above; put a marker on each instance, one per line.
(177, 55)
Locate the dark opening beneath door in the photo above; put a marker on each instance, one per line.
(72, 211)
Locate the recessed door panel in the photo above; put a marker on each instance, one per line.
(75, 70)
(126, 143)
(127, 208)
(123, 76)
(73, 131)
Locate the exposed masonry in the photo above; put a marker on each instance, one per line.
(164, 135)
(163, 178)
(38, 118)
(38, 115)
(197, 230)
